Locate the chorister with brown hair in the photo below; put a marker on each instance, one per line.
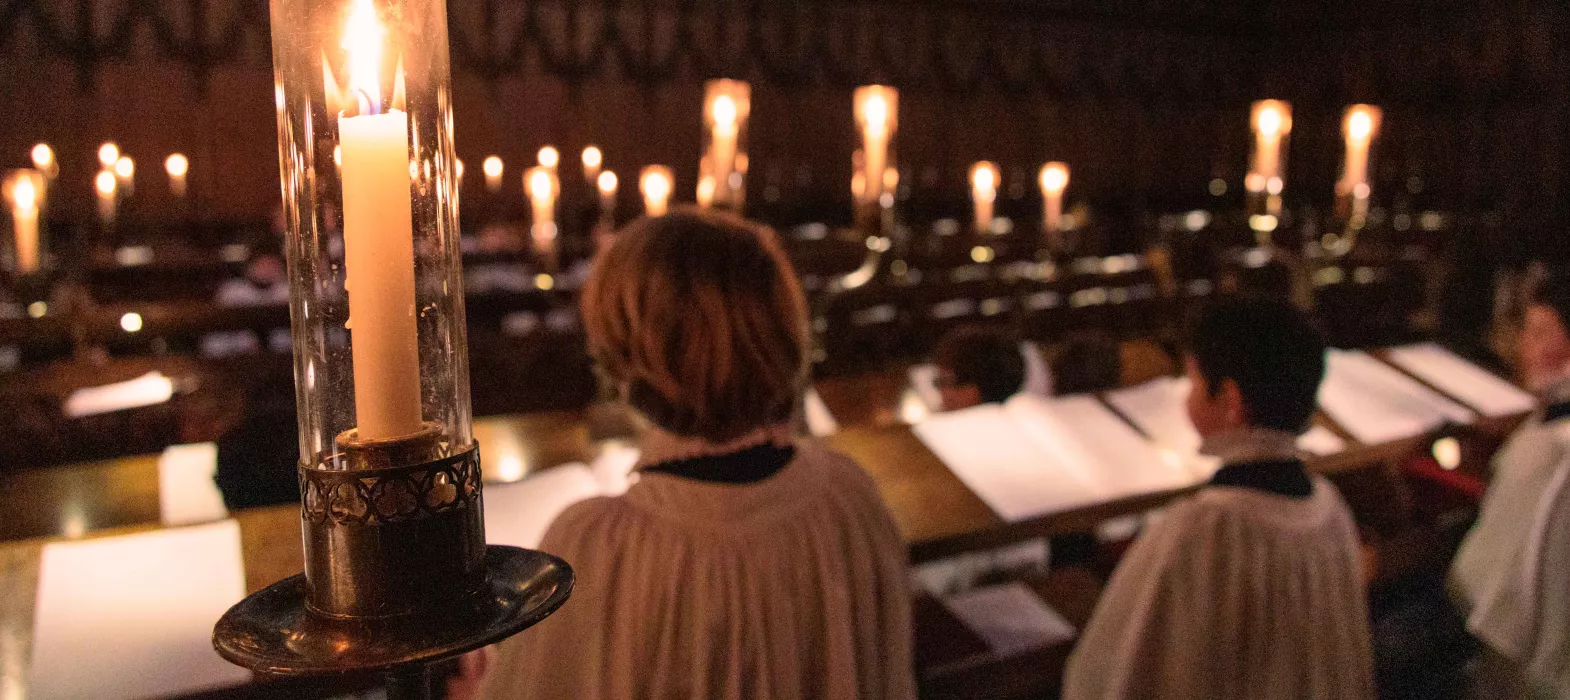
(741, 563)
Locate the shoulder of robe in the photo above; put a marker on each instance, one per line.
(582, 522)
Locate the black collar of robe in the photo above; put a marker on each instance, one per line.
(1281, 477)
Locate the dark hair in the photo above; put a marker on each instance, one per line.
(986, 358)
(1554, 293)
(699, 316)
(1270, 350)
(1089, 361)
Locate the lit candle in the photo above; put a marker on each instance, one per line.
(607, 184)
(177, 166)
(108, 153)
(1054, 179)
(876, 108)
(125, 173)
(107, 187)
(592, 160)
(726, 105)
(542, 188)
(549, 158)
(1360, 126)
(378, 234)
(1272, 121)
(655, 184)
(983, 193)
(457, 170)
(24, 219)
(44, 161)
(493, 173)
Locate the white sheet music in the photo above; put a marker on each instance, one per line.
(1091, 440)
(820, 421)
(1010, 618)
(132, 616)
(1377, 404)
(1473, 385)
(1157, 408)
(187, 493)
(147, 390)
(519, 513)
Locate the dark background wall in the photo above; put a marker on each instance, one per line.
(1147, 99)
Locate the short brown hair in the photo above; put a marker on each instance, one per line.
(700, 318)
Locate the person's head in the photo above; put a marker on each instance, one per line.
(699, 321)
(1088, 361)
(1545, 343)
(1253, 363)
(978, 365)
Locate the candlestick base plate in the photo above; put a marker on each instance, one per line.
(274, 632)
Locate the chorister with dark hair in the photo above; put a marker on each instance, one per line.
(1252, 587)
(741, 563)
(1511, 576)
(977, 365)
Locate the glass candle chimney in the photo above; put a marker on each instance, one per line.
(376, 292)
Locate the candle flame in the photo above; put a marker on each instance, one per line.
(492, 166)
(549, 157)
(607, 183)
(458, 168)
(43, 156)
(124, 168)
(108, 154)
(724, 111)
(592, 157)
(177, 165)
(984, 178)
(24, 194)
(105, 183)
(362, 41)
(1362, 122)
(1269, 121)
(539, 184)
(876, 113)
(1054, 178)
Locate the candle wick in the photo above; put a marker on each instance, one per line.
(367, 105)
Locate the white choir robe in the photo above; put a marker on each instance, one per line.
(1511, 577)
(1233, 593)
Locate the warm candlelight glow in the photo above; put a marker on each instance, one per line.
(108, 154)
(539, 183)
(105, 183)
(876, 111)
(722, 169)
(44, 160)
(655, 184)
(592, 157)
(177, 166)
(363, 37)
(124, 168)
(107, 187)
(1359, 126)
(607, 183)
(25, 195)
(984, 193)
(493, 173)
(457, 169)
(1272, 122)
(1054, 180)
(549, 157)
(541, 186)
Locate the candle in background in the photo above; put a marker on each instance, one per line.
(655, 183)
(457, 171)
(108, 153)
(876, 109)
(378, 234)
(44, 161)
(722, 176)
(542, 188)
(125, 174)
(25, 192)
(493, 173)
(1054, 180)
(983, 193)
(1272, 121)
(177, 166)
(592, 160)
(1360, 126)
(607, 184)
(107, 188)
(549, 158)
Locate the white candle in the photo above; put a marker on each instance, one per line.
(108, 153)
(1054, 180)
(592, 160)
(125, 173)
(726, 105)
(107, 188)
(177, 166)
(607, 184)
(655, 183)
(541, 187)
(378, 233)
(876, 112)
(493, 173)
(1272, 121)
(24, 219)
(983, 193)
